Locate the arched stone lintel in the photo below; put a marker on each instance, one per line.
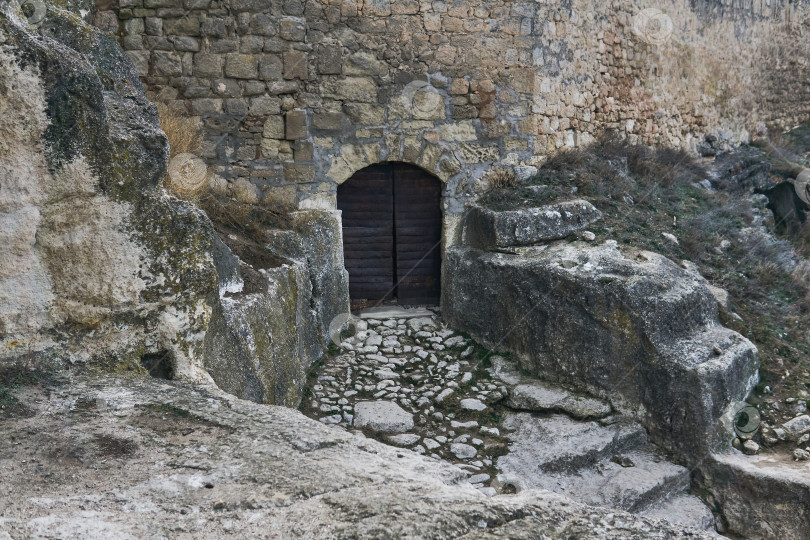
(355, 157)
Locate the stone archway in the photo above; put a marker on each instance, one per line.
(392, 231)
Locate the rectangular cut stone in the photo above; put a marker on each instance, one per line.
(458, 132)
(490, 229)
(298, 173)
(241, 66)
(365, 114)
(186, 25)
(270, 67)
(303, 151)
(292, 29)
(459, 87)
(330, 59)
(274, 128)
(207, 65)
(327, 121)
(264, 105)
(360, 89)
(379, 8)
(167, 63)
(152, 4)
(296, 65)
(475, 153)
(296, 124)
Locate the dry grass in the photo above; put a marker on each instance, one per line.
(186, 178)
(184, 132)
(501, 178)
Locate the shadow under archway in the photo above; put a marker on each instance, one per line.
(392, 230)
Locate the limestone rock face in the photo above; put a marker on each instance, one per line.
(272, 318)
(98, 264)
(203, 464)
(634, 329)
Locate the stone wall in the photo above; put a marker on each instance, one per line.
(296, 95)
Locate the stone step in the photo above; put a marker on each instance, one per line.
(633, 481)
(537, 396)
(684, 510)
(558, 444)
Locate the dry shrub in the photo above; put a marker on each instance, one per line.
(801, 238)
(801, 279)
(188, 175)
(501, 178)
(184, 132)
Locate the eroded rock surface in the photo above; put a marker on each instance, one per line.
(101, 266)
(632, 328)
(765, 496)
(127, 457)
(397, 369)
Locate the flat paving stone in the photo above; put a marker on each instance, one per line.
(472, 404)
(382, 417)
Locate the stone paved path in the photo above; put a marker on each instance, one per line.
(433, 375)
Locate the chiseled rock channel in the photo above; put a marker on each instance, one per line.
(410, 381)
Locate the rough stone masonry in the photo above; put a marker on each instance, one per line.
(297, 95)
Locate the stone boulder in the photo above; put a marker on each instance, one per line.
(382, 417)
(539, 397)
(488, 229)
(632, 328)
(765, 496)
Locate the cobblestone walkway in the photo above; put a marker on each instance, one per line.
(413, 382)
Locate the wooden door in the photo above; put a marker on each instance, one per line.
(367, 202)
(391, 235)
(417, 235)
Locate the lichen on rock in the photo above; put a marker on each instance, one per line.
(104, 266)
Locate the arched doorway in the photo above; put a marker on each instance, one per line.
(392, 228)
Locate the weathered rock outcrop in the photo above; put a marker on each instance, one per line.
(759, 496)
(275, 306)
(161, 458)
(99, 263)
(104, 267)
(632, 328)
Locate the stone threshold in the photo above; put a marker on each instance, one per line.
(394, 312)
